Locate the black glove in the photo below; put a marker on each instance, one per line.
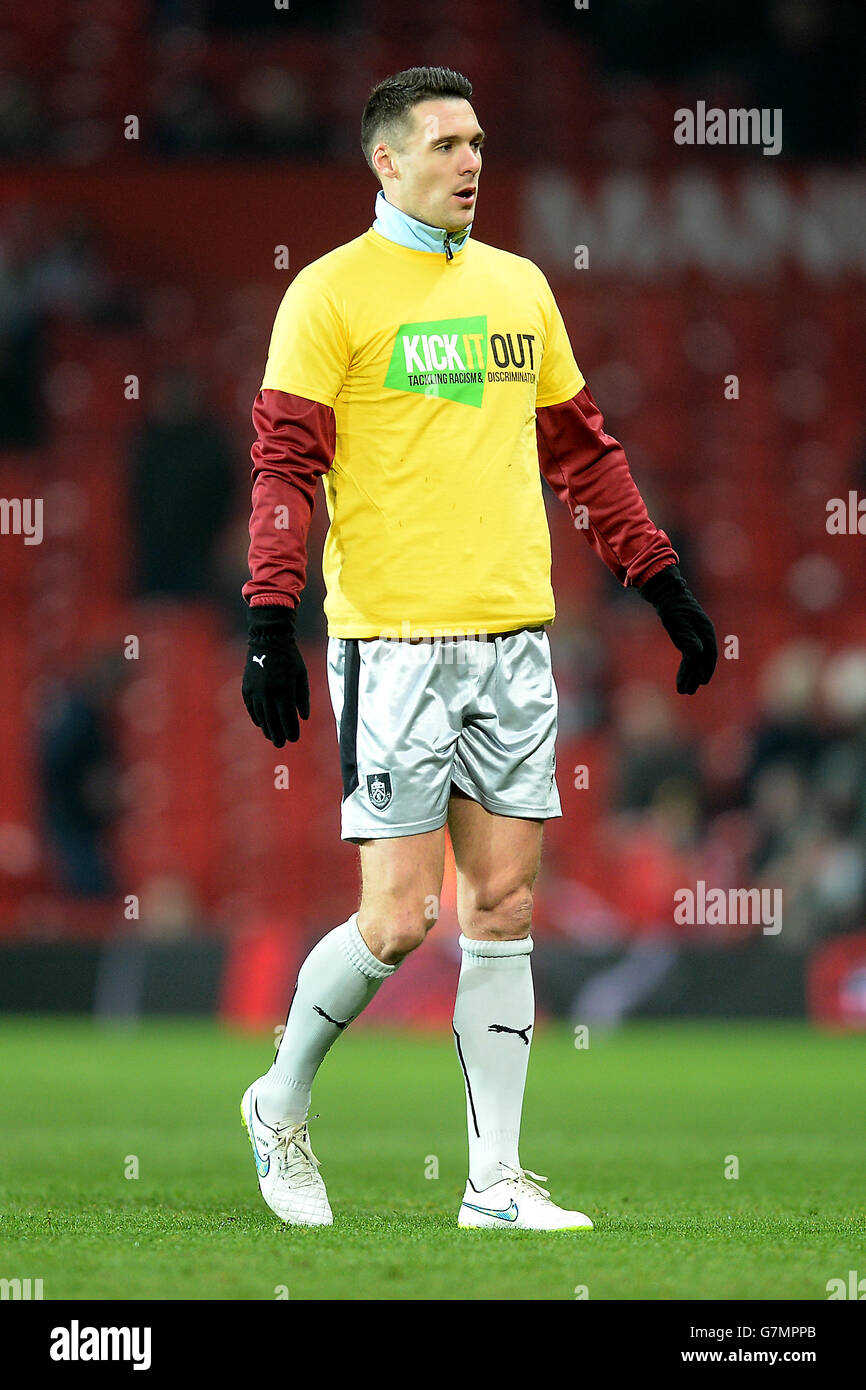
(686, 624)
(275, 686)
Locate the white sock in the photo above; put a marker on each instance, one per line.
(494, 1014)
(335, 983)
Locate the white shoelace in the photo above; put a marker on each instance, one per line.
(297, 1135)
(520, 1177)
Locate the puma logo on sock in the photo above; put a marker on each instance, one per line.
(503, 1028)
(336, 1021)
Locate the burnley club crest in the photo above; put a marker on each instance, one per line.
(379, 789)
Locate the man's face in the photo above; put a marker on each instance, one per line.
(441, 156)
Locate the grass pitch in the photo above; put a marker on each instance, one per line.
(638, 1130)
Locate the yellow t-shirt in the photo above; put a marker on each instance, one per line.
(433, 369)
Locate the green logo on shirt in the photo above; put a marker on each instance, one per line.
(446, 357)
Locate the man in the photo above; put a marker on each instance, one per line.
(425, 376)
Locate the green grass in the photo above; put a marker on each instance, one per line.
(635, 1130)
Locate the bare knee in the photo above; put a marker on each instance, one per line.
(498, 916)
(393, 929)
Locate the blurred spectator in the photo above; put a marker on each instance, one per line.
(277, 115)
(169, 907)
(189, 120)
(788, 727)
(652, 750)
(22, 130)
(45, 274)
(654, 855)
(181, 491)
(70, 279)
(779, 810)
(79, 776)
(808, 793)
(583, 666)
(22, 340)
(811, 68)
(22, 360)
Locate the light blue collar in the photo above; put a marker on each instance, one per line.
(398, 226)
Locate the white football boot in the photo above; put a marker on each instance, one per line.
(517, 1204)
(287, 1167)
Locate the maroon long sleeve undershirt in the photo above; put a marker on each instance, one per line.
(295, 443)
(587, 467)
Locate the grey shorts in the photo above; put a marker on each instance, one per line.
(413, 717)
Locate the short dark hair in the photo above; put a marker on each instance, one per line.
(389, 105)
